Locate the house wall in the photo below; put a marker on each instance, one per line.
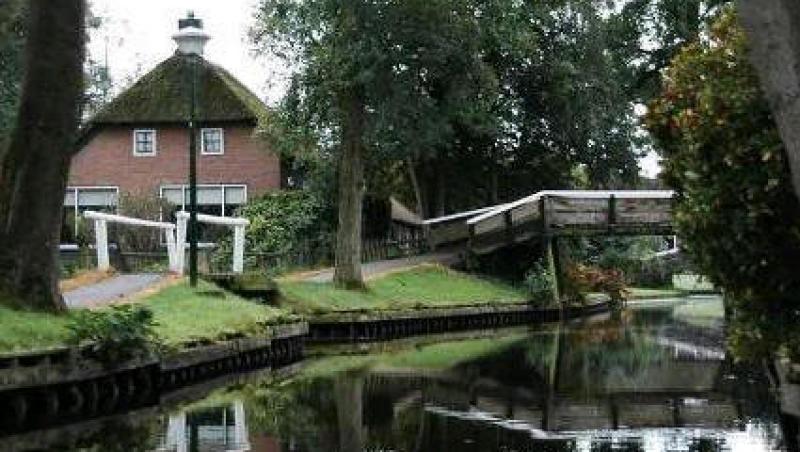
(108, 160)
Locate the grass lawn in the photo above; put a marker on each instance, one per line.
(182, 314)
(22, 330)
(424, 286)
(207, 313)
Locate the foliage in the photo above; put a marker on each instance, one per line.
(425, 286)
(586, 279)
(456, 91)
(735, 207)
(280, 222)
(647, 34)
(117, 334)
(539, 283)
(634, 256)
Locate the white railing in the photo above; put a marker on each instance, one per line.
(581, 194)
(175, 236)
(101, 221)
(478, 215)
(238, 225)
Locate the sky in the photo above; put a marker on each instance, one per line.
(137, 35)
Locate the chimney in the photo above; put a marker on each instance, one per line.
(191, 38)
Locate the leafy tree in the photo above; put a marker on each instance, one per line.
(647, 34)
(735, 208)
(36, 161)
(378, 79)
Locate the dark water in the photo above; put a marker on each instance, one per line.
(654, 378)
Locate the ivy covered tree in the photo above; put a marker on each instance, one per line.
(735, 208)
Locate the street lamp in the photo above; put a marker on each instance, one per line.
(191, 40)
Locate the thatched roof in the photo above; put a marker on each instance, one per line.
(163, 96)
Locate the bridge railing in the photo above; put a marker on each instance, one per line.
(560, 212)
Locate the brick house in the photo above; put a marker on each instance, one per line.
(138, 143)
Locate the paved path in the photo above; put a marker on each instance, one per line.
(372, 269)
(110, 289)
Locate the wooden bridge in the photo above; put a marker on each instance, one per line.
(549, 214)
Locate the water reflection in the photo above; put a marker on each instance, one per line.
(651, 379)
(213, 428)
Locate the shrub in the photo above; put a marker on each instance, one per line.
(280, 222)
(735, 208)
(538, 282)
(117, 334)
(584, 278)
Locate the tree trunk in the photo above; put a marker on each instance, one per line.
(36, 163)
(494, 186)
(351, 193)
(441, 190)
(773, 28)
(418, 196)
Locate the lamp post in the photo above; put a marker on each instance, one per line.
(191, 39)
(193, 177)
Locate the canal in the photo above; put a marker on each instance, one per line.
(655, 377)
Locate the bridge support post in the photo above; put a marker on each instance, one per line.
(552, 252)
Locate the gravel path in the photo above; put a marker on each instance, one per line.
(372, 269)
(110, 289)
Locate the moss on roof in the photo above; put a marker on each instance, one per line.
(163, 95)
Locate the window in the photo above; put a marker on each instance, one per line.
(144, 142)
(221, 200)
(79, 199)
(212, 141)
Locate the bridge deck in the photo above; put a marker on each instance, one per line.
(557, 213)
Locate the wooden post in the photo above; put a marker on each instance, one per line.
(612, 211)
(238, 248)
(180, 243)
(101, 243)
(172, 250)
(553, 265)
(509, 227)
(550, 245)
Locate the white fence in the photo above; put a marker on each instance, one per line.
(238, 225)
(175, 236)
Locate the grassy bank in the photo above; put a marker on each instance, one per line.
(182, 315)
(425, 286)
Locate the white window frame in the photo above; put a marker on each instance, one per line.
(138, 153)
(75, 193)
(185, 191)
(203, 140)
